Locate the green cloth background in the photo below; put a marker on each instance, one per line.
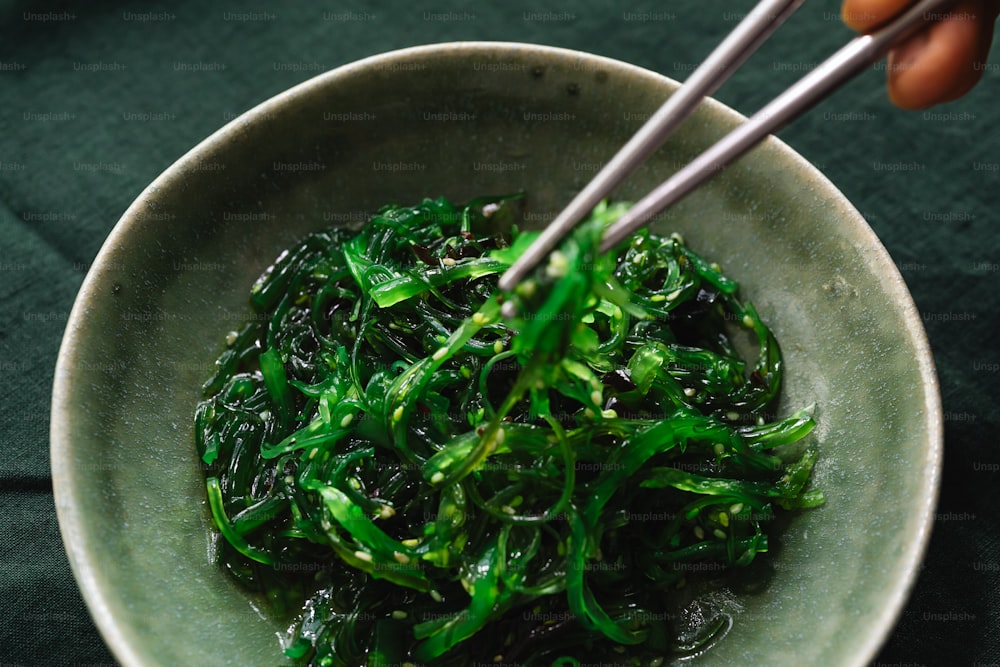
(92, 109)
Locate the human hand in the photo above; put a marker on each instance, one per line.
(938, 64)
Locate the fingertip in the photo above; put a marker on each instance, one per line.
(940, 64)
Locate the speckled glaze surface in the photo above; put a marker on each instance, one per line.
(460, 120)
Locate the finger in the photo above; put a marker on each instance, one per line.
(863, 15)
(945, 61)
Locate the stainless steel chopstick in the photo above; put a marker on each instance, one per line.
(750, 33)
(843, 65)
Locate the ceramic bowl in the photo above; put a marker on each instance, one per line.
(461, 120)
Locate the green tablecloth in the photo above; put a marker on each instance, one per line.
(93, 106)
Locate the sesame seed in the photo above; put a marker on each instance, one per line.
(448, 261)
(312, 453)
(231, 338)
(595, 397)
(699, 533)
(386, 512)
(399, 615)
(558, 265)
(498, 346)
(736, 508)
(609, 414)
(690, 391)
(658, 298)
(479, 319)
(397, 414)
(748, 322)
(440, 353)
(346, 421)
(435, 595)
(362, 555)
(724, 519)
(401, 557)
(437, 477)
(411, 542)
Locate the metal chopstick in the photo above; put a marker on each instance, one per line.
(843, 65)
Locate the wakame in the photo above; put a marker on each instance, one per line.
(414, 468)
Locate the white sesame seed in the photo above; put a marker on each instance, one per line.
(558, 265)
(401, 557)
(312, 453)
(595, 397)
(732, 416)
(448, 261)
(736, 508)
(362, 555)
(479, 319)
(399, 615)
(748, 322)
(440, 353)
(435, 595)
(437, 477)
(609, 414)
(718, 532)
(231, 338)
(386, 512)
(346, 421)
(411, 542)
(690, 391)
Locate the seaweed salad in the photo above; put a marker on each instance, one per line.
(416, 469)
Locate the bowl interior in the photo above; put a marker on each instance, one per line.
(461, 120)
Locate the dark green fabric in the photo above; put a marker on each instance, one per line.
(92, 108)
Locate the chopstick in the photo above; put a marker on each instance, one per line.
(842, 66)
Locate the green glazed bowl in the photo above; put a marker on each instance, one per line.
(461, 120)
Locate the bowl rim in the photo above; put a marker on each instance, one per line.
(66, 490)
